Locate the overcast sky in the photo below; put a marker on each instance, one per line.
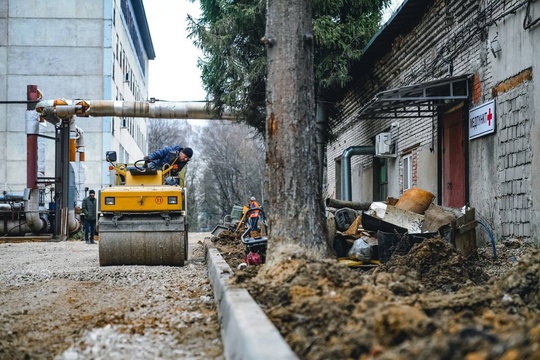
(173, 74)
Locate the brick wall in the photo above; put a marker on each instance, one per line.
(434, 49)
(514, 161)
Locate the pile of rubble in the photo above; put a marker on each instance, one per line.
(367, 234)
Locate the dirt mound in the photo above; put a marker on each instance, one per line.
(429, 304)
(231, 248)
(437, 266)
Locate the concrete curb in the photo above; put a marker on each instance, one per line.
(245, 330)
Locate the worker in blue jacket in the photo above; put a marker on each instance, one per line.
(170, 155)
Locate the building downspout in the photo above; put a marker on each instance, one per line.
(346, 189)
(321, 140)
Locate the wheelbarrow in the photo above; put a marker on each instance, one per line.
(255, 245)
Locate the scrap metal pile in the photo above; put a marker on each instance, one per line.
(368, 234)
(362, 235)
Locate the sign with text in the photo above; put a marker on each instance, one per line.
(482, 120)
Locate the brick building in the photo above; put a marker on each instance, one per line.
(444, 99)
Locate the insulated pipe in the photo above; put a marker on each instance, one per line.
(346, 191)
(32, 132)
(12, 197)
(35, 223)
(340, 204)
(79, 139)
(73, 222)
(141, 109)
(15, 227)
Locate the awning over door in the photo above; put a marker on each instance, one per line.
(415, 101)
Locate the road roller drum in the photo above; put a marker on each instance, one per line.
(142, 221)
(142, 240)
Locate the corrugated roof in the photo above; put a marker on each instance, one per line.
(400, 23)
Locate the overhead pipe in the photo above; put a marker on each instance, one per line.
(346, 190)
(51, 110)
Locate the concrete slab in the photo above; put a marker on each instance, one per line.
(245, 330)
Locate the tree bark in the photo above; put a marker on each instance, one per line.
(297, 226)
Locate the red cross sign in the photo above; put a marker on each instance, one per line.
(482, 120)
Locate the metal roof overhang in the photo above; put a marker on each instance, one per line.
(416, 101)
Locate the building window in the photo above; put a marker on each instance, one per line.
(407, 172)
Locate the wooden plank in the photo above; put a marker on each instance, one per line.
(467, 227)
(465, 241)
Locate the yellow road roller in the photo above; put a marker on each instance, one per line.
(142, 220)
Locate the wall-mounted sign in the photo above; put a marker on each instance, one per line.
(482, 120)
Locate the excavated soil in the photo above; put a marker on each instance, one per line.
(431, 303)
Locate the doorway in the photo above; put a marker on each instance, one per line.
(380, 179)
(453, 184)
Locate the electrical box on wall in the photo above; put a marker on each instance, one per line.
(384, 147)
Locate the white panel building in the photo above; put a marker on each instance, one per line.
(72, 49)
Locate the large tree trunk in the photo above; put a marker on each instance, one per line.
(297, 226)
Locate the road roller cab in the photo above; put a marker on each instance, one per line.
(142, 221)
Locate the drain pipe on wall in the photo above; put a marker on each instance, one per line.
(346, 190)
(321, 140)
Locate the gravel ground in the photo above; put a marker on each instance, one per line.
(56, 302)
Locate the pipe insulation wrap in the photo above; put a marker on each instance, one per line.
(12, 197)
(35, 223)
(144, 109)
(32, 122)
(73, 223)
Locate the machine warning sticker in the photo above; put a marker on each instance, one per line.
(159, 200)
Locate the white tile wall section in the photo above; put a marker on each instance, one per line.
(46, 43)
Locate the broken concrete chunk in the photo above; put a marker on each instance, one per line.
(406, 219)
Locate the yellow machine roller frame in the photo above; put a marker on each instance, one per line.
(142, 221)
